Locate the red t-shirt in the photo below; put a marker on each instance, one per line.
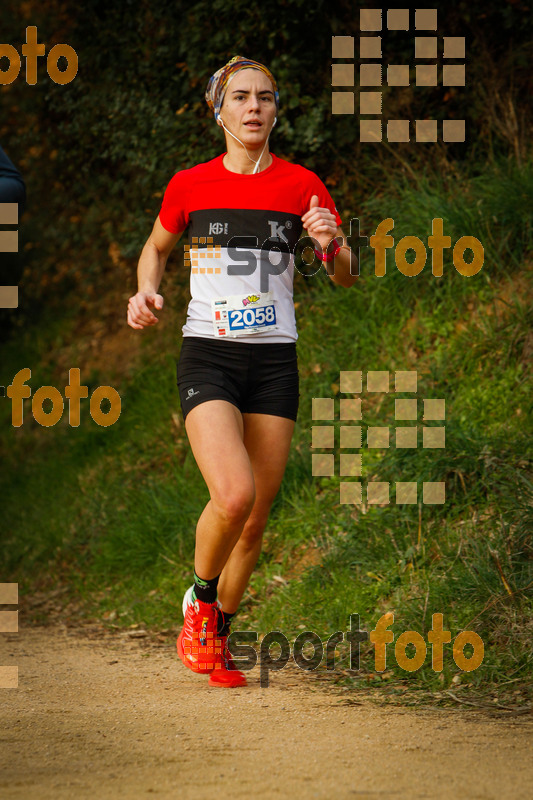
(236, 221)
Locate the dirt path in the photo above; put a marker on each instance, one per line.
(107, 716)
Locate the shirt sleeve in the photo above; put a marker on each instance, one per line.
(173, 215)
(315, 186)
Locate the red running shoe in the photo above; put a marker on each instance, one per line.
(199, 646)
(226, 673)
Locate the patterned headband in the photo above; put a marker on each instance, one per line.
(218, 83)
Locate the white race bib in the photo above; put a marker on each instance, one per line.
(243, 314)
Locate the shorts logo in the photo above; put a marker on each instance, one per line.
(191, 393)
(218, 227)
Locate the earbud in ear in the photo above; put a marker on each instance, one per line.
(220, 121)
(275, 120)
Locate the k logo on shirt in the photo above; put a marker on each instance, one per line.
(278, 231)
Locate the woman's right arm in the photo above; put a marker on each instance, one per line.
(149, 273)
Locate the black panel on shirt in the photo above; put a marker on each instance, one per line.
(256, 229)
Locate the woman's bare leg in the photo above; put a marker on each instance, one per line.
(267, 440)
(215, 431)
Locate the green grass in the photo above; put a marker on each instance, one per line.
(111, 512)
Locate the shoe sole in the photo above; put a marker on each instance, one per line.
(227, 680)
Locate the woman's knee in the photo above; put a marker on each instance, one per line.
(234, 506)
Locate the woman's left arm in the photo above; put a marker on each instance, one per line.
(321, 224)
(343, 269)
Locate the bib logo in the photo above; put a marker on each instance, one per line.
(32, 50)
(252, 298)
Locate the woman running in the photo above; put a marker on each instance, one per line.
(237, 371)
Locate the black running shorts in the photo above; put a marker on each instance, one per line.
(257, 378)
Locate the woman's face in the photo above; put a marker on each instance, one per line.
(249, 107)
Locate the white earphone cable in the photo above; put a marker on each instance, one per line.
(246, 151)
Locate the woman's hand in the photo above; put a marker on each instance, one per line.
(320, 223)
(139, 315)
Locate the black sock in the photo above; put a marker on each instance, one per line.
(206, 591)
(224, 622)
